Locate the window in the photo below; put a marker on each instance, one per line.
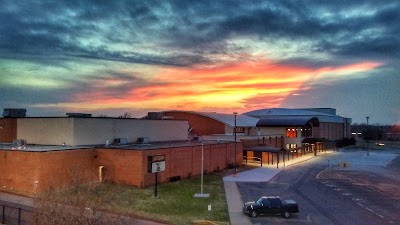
(306, 131)
(291, 132)
(275, 203)
(266, 202)
(291, 146)
(240, 130)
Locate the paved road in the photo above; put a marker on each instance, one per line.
(367, 192)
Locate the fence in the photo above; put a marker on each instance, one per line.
(13, 214)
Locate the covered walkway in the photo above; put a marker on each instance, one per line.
(267, 156)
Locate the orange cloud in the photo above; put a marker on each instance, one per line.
(244, 85)
(348, 69)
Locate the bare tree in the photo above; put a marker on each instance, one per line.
(79, 203)
(125, 115)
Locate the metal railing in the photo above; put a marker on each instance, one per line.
(14, 215)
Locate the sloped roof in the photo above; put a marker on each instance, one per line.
(227, 119)
(322, 117)
(285, 112)
(285, 121)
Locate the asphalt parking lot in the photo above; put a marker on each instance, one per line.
(366, 191)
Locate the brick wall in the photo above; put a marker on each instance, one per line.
(26, 173)
(8, 130)
(186, 161)
(201, 125)
(121, 166)
(18, 170)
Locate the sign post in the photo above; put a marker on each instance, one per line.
(155, 164)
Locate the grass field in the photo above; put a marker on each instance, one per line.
(175, 203)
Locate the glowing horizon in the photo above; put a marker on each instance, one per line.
(223, 88)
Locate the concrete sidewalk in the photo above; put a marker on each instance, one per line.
(261, 174)
(233, 197)
(16, 199)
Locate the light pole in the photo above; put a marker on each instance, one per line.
(367, 140)
(234, 132)
(201, 194)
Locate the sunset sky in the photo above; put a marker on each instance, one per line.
(112, 57)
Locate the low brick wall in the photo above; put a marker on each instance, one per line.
(29, 172)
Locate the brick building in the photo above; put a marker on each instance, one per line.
(33, 168)
(39, 154)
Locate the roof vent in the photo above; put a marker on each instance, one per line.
(143, 140)
(20, 142)
(120, 141)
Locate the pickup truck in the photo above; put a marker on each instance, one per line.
(271, 205)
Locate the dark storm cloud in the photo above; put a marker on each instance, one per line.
(283, 19)
(100, 83)
(136, 57)
(199, 28)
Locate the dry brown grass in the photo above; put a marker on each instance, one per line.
(105, 203)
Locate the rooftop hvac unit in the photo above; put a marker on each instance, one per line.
(14, 113)
(197, 138)
(143, 140)
(155, 115)
(79, 115)
(120, 141)
(20, 142)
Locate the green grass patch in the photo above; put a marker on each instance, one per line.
(175, 203)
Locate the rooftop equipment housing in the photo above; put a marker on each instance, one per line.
(79, 115)
(14, 113)
(155, 115)
(143, 140)
(120, 141)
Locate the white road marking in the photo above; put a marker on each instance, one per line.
(369, 209)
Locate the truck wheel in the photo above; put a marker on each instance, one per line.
(253, 213)
(286, 214)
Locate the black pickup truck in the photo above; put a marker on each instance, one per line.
(270, 205)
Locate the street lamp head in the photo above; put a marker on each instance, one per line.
(235, 113)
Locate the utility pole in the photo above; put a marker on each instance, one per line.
(367, 140)
(235, 174)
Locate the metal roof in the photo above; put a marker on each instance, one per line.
(285, 121)
(227, 119)
(322, 117)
